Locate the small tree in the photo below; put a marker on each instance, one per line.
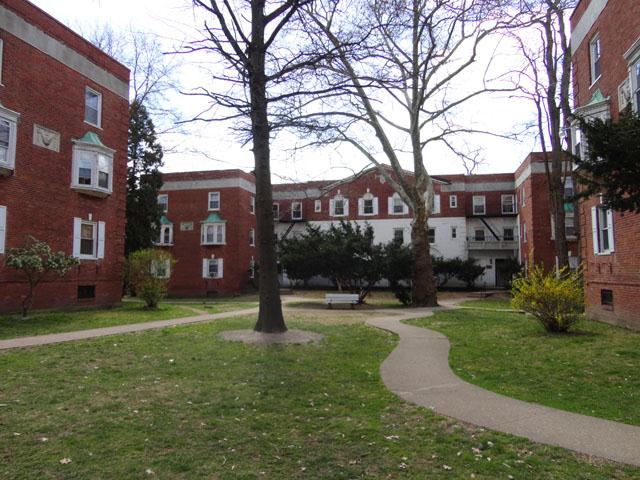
(149, 273)
(300, 255)
(398, 269)
(35, 260)
(554, 299)
(469, 272)
(446, 268)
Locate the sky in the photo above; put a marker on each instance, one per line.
(213, 146)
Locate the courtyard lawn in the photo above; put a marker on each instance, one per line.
(42, 323)
(180, 403)
(500, 303)
(594, 371)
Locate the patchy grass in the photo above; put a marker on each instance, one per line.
(180, 403)
(42, 323)
(593, 371)
(497, 303)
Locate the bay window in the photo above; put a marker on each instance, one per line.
(8, 132)
(92, 166)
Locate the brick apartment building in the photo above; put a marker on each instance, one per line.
(209, 224)
(63, 156)
(605, 43)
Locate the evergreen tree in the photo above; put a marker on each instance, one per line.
(143, 180)
(611, 165)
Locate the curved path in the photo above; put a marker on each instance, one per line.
(418, 371)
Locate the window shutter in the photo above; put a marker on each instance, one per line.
(3, 228)
(436, 204)
(205, 268)
(360, 206)
(220, 264)
(346, 207)
(390, 205)
(594, 230)
(101, 235)
(375, 206)
(77, 223)
(203, 229)
(612, 247)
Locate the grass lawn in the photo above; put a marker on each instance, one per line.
(594, 371)
(499, 303)
(41, 323)
(179, 403)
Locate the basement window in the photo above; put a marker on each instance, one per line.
(606, 298)
(86, 292)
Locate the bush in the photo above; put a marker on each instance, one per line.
(149, 273)
(469, 272)
(398, 266)
(555, 300)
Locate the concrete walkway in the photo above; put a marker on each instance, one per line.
(418, 371)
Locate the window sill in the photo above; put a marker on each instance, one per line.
(87, 257)
(163, 244)
(212, 244)
(93, 125)
(91, 191)
(6, 170)
(593, 84)
(604, 254)
(213, 209)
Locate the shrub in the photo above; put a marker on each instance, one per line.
(397, 270)
(469, 272)
(149, 273)
(556, 301)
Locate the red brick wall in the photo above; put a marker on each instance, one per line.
(38, 196)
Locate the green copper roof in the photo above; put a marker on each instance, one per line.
(596, 98)
(165, 221)
(214, 218)
(93, 139)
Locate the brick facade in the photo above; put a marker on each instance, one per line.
(612, 277)
(49, 97)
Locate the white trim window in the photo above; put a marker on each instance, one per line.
(453, 201)
(569, 225)
(523, 194)
(602, 230)
(454, 233)
(252, 205)
(508, 204)
(367, 205)
(92, 107)
(213, 233)
(317, 207)
(431, 235)
(396, 205)
(275, 208)
(165, 235)
(161, 268)
(339, 206)
(436, 205)
(8, 137)
(398, 235)
(524, 233)
(3, 228)
(479, 205)
(92, 167)
(212, 268)
(252, 237)
(635, 84)
(296, 210)
(163, 203)
(595, 57)
(88, 239)
(214, 201)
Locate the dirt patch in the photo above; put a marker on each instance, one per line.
(258, 338)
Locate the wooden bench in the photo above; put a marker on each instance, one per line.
(346, 298)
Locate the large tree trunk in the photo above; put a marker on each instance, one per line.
(423, 291)
(270, 318)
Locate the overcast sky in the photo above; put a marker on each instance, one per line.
(213, 147)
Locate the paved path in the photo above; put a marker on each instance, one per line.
(418, 371)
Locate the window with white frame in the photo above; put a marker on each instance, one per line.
(213, 233)
(212, 268)
(8, 136)
(214, 201)
(436, 205)
(524, 232)
(595, 55)
(523, 193)
(88, 239)
(317, 206)
(635, 84)
(252, 205)
(92, 166)
(398, 235)
(569, 224)
(163, 203)
(367, 205)
(602, 228)
(508, 204)
(3, 228)
(252, 268)
(454, 232)
(479, 235)
(553, 226)
(161, 268)
(479, 205)
(431, 235)
(252, 237)
(397, 206)
(568, 188)
(453, 201)
(296, 210)
(92, 107)
(276, 211)
(339, 206)
(165, 235)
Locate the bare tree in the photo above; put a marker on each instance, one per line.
(257, 82)
(416, 66)
(547, 82)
